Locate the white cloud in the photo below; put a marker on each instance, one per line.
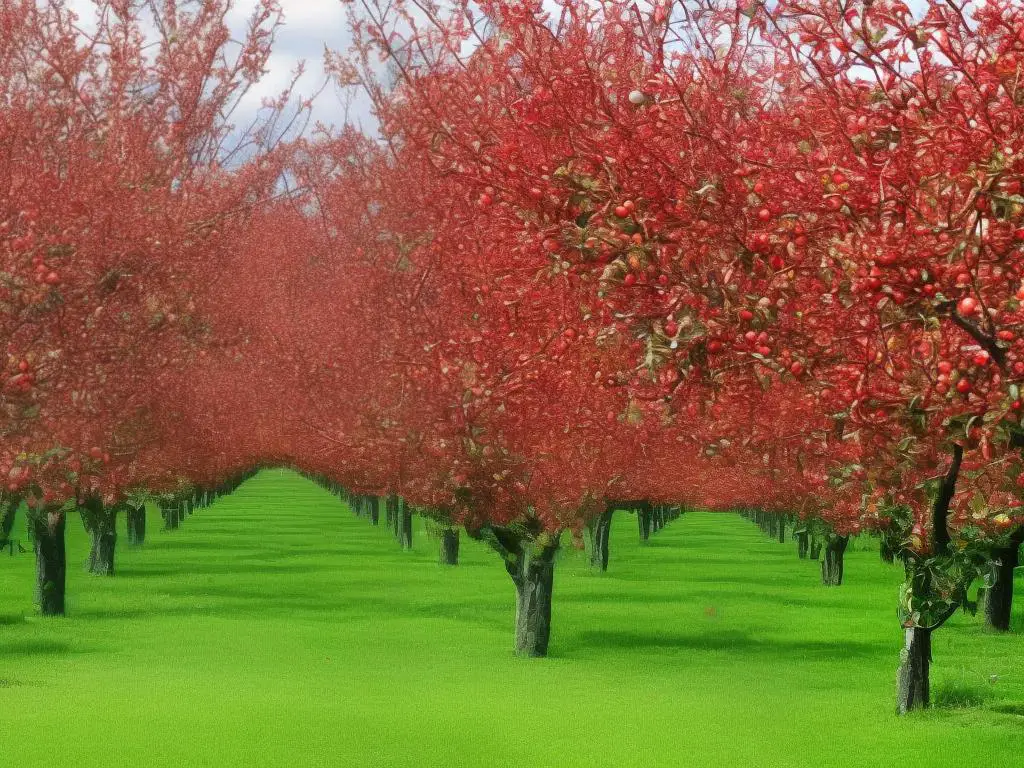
(309, 27)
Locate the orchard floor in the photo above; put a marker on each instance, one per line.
(275, 629)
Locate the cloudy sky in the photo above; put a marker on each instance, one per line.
(309, 25)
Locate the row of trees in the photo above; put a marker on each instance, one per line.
(721, 254)
(777, 248)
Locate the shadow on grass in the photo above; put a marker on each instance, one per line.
(1009, 709)
(36, 648)
(635, 578)
(307, 605)
(268, 567)
(688, 597)
(199, 546)
(958, 695)
(687, 556)
(732, 640)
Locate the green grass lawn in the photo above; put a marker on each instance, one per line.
(275, 629)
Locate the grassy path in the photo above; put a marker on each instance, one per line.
(274, 629)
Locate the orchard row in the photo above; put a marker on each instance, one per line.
(718, 254)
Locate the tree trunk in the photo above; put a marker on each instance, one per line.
(782, 530)
(912, 686)
(374, 510)
(10, 511)
(643, 519)
(533, 576)
(51, 560)
(801, 543)
(531, 566)
(832, 564)
(814, 551)
(169, 510)
(136, 517)
(912, 679)
(450, 546)
(404, 524)
(101, 523)
(394, 516)
(999, 597)
(101, 555)
(601, 528)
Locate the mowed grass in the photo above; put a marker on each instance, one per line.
(275, 629)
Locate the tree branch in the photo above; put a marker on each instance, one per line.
(940, 512)
(987, 342)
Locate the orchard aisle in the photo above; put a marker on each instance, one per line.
(274, 629)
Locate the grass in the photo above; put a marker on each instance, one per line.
(275, 629)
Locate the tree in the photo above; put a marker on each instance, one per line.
(112, 189)
(999, 595)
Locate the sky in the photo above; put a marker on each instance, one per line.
(309, 26)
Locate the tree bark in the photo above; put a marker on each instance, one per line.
(814, 552)
(395, 517)
(912, 679)
(832, 564)
(999, 597)
(404, 524)
(531, 566)
(782, 530)
(600, 531)
(51, 560)
(374, 510)
(169, 510)
(136, 517)
(101, 523)
(802, 544)
(533, 577)
(10, 511)
(450, 546)
(643, 519)
(101, 557)
(912, 684)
